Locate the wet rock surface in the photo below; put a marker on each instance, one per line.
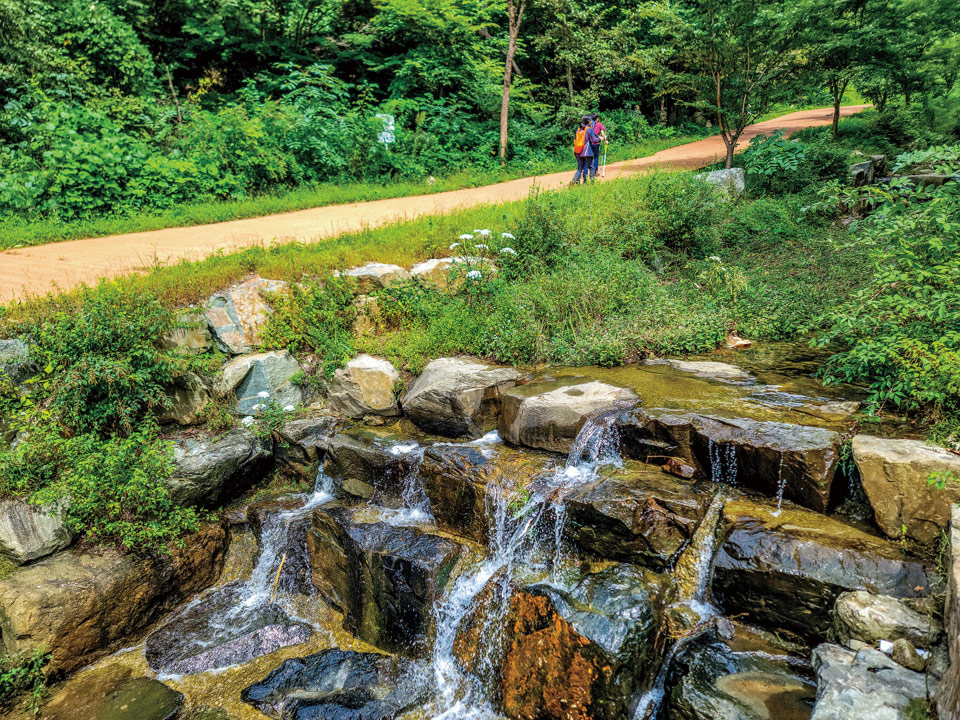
(365, 387)
(948, 694)
(866, 685)
(114, 693)
(895, 473)
(462, 482)
(80, 604)
(219, 630)
(785, 569)
(339, 685)
(459, 397)
(369, 465)
(636, 513)
(384, 579)
(210, 470)
(304, 441)
(548, 414)
(29, 532)
(236, 315)
(870, 618)
(797, 462)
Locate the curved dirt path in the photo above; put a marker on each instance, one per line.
(61, 266)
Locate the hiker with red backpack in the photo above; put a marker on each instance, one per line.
(583, 150)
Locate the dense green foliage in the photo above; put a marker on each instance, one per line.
(22, 675)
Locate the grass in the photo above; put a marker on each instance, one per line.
(19, 232)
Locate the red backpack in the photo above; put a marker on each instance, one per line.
(580, 142)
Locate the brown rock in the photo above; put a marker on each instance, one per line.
(676, 466)
(906, 654)
(236, 315)
(190, 337)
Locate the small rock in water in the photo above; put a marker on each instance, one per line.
(906, 654)
(141, 699)
(734, 342)
(676, 466)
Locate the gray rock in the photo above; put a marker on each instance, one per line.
(723, 372)
(250, 376)
(862, 173)
(15, 362)
(549, 414)
(732, 181)
(365, 387)
(376, 276)
(209, 471)
(304, 441)
(871, 618)
(369, 465)
(187, 398)
(191, 336)
(948, 695)
(895, 474)
(236, 316)
(458, 396)
(29, 532)
(866, 685)
(906, 654)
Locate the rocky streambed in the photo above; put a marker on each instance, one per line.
(683, 540)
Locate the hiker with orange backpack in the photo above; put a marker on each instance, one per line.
(583, 150)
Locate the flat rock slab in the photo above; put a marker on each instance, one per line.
(548, 414)
(785, 568)
(236, 315)
(895, 475)
(29, 532)
(636, 513)
(711, 370)
(866, 685)
(384, 579)
(365, 386)
(113, 693)
(340, 685)
(459, 397)
(209, 471)
(376, 276)
(796, 462)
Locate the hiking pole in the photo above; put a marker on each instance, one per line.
(603, 166)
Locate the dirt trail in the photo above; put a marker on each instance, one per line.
(37, 270)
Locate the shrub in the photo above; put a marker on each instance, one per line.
(22, 674)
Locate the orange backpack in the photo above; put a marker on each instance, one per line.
(580, 142)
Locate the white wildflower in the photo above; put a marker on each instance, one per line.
(481, 246)
(714, 258)
(507, 236)
(455, 246)
(474, 274)
(508, 251)
(259, 407)
(247, 421)
(263, 394)
(289, 408)
(466, 236)
(484, 232)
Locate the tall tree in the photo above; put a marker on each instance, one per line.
(515, 9)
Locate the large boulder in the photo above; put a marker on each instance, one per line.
(29, 532)
(236, 315)
(210, 470)
(783, 460)
(81, 605)
(303, 442)
(190, 336)
(376, 276)
(384, 579)
(578, 653)
(548, 415)
(636, 513)
(864, 685)
(784, 568)
(340, 685)
(16, 365)
(459, 396)
(948, 695)
(732, 181)
(365, 387)
(463, 481)
(187, 398)
(260, 379)
(895, 475)
(370, 465)
(869, 618)
(434, 272)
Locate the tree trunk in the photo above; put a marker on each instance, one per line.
(515, 17)
(731, 146)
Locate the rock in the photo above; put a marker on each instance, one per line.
(304, 441)
(458, 396)
(376, 276)
(798, 462)
(29, 532)
(676, 466)
(948, 694)
(462, 481)
(220, 631)
(16, 365)
(581, 653)
(708, 680)
(735, 342)
(434, 272)
(236, 315)
(81, 605)
(368, 320)
(384, 579)
(723, 372)
(365, 387)
(367, 464)
(187, 398)
(340, 685)
(785, 568)
(636, 514)
(208, 471)
(284, 533)
(548, 415)
(871, 618)
(866, 685)
(862, 173)
(895, 474)
(113, 693)
(904, 653)
(191, 336)
(260, 379)
(731, 181)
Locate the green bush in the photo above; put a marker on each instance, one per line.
(22, 674)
